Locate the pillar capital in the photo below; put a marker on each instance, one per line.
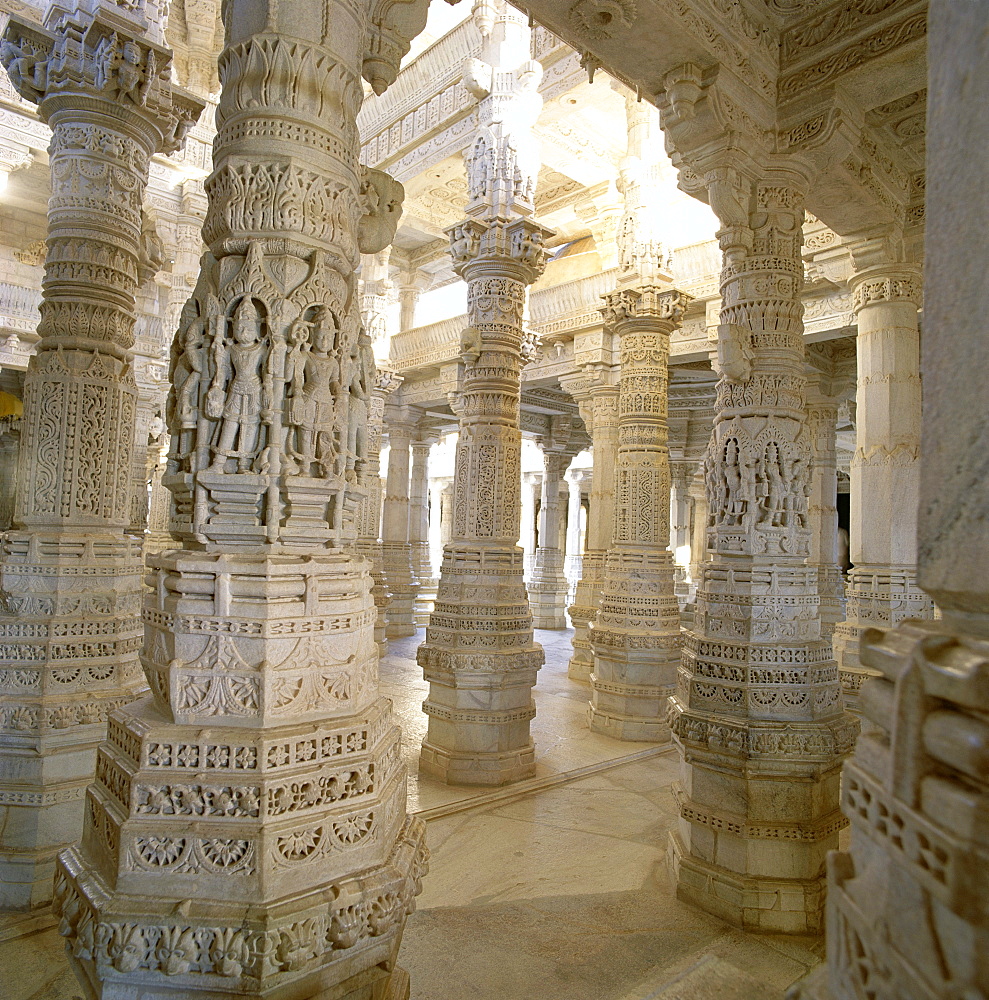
(889, 283)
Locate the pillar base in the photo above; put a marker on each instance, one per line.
(628, 728)
(464, 768)
(26, 879)
(778, 905)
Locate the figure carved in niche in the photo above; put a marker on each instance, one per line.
(733, 483)
(361, 372)
(774, 489)
(235, 393)
(751, 474)
(294, 379)
(798, 497)
(26, 67)
(531, 247)
(182, 408)
(312, 407)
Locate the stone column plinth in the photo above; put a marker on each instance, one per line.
(70, 573)
(600, 413)
(548, 585)
(822, 507)
(635, 636)
(247, 832)
(885, 473)
(396, 552)
(422, 567)
(757, 715)
(479, 655)
(907, 902)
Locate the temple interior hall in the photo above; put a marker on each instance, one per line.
(493, 500)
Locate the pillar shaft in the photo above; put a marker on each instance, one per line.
(395, 547)
(247, 832)
(369, 510)
(600, 411)
(479, 655)
(635, 636)
(757, 713)
(548, 585)
(70, 574)
(822, 507)
(885, 470)
(698, 528)
(422, 568)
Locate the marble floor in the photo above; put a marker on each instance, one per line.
(555, 888)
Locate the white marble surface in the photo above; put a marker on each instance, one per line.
(555, 893)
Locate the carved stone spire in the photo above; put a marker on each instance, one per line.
(479, 655)
(70, 575)
(247, 831)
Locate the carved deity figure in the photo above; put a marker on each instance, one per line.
(235, 393)
(733, 483)
(361, 377)
(182, 410)
(774, 489)
(314, 386)
(27, 68)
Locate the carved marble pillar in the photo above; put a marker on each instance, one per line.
(479, 655)
(907, 902)
(532, 491)
(600, 413)
(247, 832)
(422, 568)
(158, 536)
(446, 512)
(757, 715)
(376, 299)
(822, 507)
(635, 636)
(369, 510)
(396, 551)
(885, 470)
(577, 481)
(698, 528)
(70, 574)
(10, 440)
(548, 586)
(681, 473)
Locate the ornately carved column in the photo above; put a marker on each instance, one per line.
(247, 832)
(698, 528)
(70, 575)
(882, 588)
(635, 637)
(822, 506)
(479, 656)
(548, 585)
(422, 567)
(600, 413)
(395, 549)
(908, 903)
(369, 508)
(681, 473)
(757, 715)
